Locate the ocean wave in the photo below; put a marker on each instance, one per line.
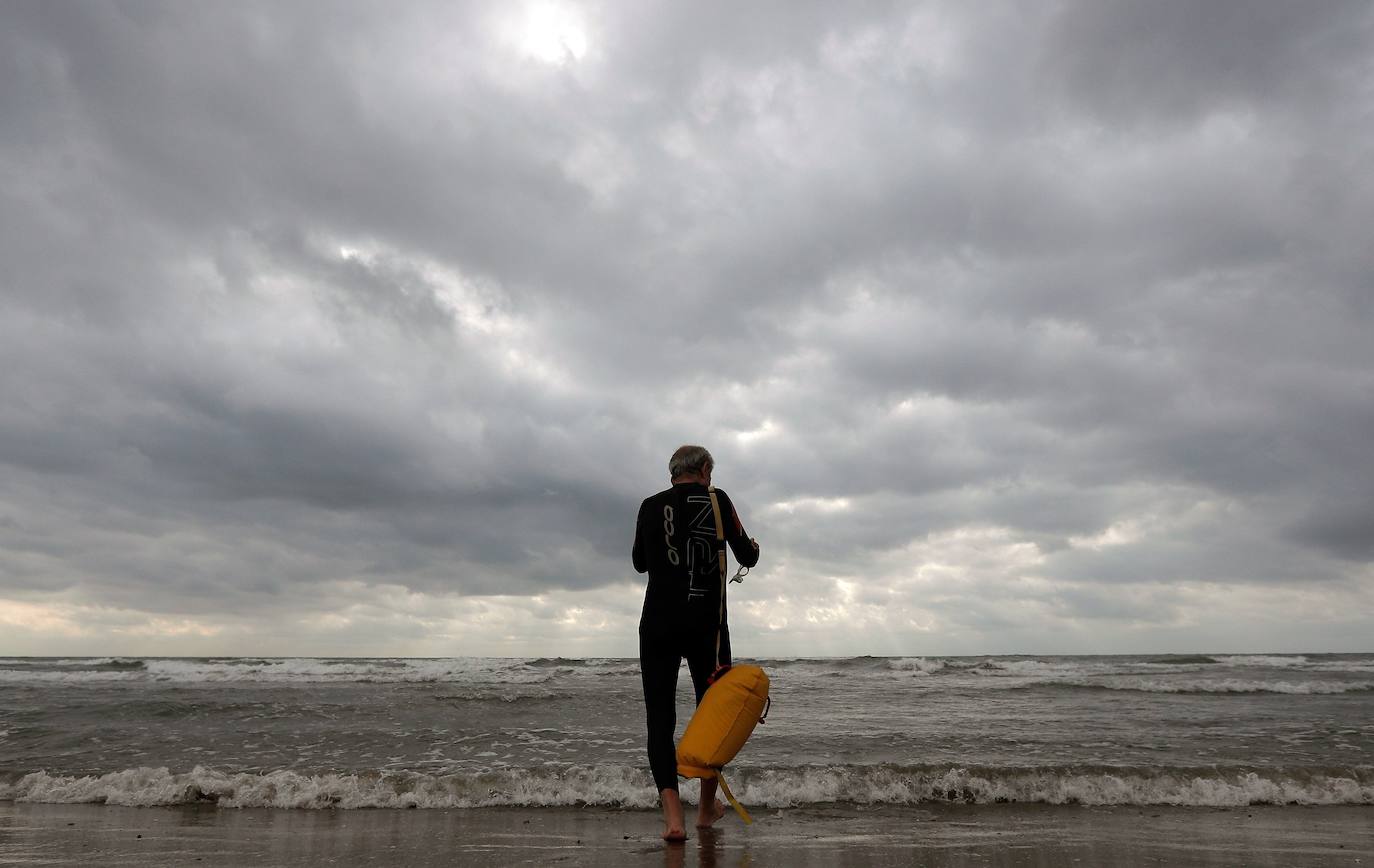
(1201, 685)
(1182, 660)
(93, 662)
(66, 664)
(611, 786)
(994, 671)
(887, 668)
(1276, 661)
(496, 693)
(121, 663)
(1036, 667)
(600, 664)
(916, 665)
(1057, 786)
(630, 787)
(1019, 667)
(1347, 666)
(288, 670)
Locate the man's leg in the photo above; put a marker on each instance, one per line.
(710, 809)
(658, 665)
(702, 657)
(701, 662)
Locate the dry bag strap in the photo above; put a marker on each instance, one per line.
(734, 803)
(720, 537)
(720, 530)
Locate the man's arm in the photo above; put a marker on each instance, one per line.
(746, 550)
(637, 554)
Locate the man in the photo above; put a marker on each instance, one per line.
(684, 612)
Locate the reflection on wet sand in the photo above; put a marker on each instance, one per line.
(709, 852)
(997, 836)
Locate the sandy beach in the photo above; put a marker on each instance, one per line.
(935, 836)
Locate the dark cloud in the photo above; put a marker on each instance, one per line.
(1345, 529)
(1067, 306)
(1175, 60)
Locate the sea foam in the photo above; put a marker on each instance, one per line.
(286, 671)
(1215, 685)
(630, 787)
(916, 665)
(609, 785)
(1276, 661)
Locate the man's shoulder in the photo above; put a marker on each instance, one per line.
(654, 498)
(687, 489)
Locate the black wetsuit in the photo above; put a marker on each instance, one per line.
(675, 543)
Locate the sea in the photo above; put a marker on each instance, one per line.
(466, 733)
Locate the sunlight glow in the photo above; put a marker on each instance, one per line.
(39, 618)
(765, 430)
(551, 33)
(824, 505)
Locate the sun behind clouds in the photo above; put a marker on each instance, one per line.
(553, 33)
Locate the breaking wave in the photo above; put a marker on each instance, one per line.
(1056, 786)
(1182, 660)
(917, 665)
(630, 787)
(1161, 674)
(1277, 661)
(284, 670)
(1200, 685)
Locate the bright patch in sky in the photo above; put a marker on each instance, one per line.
(815, 504)
(551, 33)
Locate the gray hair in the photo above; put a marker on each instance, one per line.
(689, 459)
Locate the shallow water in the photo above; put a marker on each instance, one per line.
(1202, 730)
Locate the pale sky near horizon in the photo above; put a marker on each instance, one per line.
(362, 329)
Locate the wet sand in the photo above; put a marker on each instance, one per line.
(935, 836)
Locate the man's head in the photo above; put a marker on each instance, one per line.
(691, 464)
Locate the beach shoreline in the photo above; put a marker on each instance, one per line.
(940, 836)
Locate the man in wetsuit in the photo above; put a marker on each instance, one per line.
(684, 612)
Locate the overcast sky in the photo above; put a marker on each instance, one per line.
(363, 329)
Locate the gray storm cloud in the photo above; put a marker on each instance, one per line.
(1012, 328)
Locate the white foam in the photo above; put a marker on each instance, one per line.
(611, 786)
(1035, 668)
(520, 675)
(298, 670)
(894, 785)
(1268, 660)
(1030, 667)
(916, 665)
(1351, 666)
(25, 676)
(1216, 685)
(631, 787)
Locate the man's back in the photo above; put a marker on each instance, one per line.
(675, 543)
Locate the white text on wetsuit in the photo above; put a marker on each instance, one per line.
(668, 534)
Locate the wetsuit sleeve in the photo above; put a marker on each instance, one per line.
(746, 552)
(638, 554)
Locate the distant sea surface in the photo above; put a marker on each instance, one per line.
(471, 732)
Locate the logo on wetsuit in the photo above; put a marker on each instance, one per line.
(668, 529)
(700, 545)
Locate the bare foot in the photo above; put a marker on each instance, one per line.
(674, 828)
(706, 817)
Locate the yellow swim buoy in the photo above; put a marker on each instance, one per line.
(723, 722)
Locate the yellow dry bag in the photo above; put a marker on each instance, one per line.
(734, 704)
